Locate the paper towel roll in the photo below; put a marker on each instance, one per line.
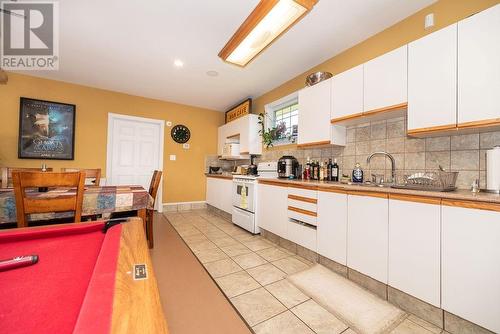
(493, 169)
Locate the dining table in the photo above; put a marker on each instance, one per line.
(97, 200)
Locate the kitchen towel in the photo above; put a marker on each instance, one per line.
(493, 169)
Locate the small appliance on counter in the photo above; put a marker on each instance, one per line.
(214, 170)
(252, 169)
(288, 167)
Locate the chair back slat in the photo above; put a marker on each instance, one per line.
(39, 203)
(6, 174)
(90, 173)
(155, 184)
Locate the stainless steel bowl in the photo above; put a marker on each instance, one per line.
(317, 77)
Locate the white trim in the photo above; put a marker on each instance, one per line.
(270, 108)
(109, 151)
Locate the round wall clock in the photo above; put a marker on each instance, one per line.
(180, 133)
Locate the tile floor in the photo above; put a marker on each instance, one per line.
(251, 272)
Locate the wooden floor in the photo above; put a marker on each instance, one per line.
(191, 300)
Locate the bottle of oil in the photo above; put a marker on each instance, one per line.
(335, 171)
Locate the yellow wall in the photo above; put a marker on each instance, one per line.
(445, 12)
(183, 178)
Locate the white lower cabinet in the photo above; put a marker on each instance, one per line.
(471, 265)
(367, 235)
(332, 226)
(302, 234)
(414, 249)
(219, 193)
(272, 208)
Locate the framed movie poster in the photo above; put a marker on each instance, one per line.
(46, 130)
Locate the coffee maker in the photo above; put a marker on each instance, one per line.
(288, 167)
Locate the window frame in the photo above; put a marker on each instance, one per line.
(275, 106)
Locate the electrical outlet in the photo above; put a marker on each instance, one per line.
(429, 21)
(173, 157)
(185, 146)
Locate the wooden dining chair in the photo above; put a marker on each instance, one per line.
(37, 203)
(91, 174)
(6, 174)
(153, 191)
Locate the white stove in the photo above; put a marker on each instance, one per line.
(245, 196)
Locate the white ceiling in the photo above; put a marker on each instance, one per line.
(129, 45)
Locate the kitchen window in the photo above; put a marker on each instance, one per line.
(283, 116)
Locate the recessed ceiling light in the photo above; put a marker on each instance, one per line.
(178, 63)
(268, 21)
(212, 73)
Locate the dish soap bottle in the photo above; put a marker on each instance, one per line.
(357, 174)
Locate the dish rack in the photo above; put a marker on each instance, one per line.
(430, 181)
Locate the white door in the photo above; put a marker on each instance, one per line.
(135, 150)
(386, 80)
(314, 113)
(479, 67)
(471, 264)
(432, 81)
(347, 93)
(415, 249)
(332, 226)
(367, 235)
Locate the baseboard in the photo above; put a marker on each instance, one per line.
(184, 206)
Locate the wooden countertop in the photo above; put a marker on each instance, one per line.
(457, 195)
(220, 176)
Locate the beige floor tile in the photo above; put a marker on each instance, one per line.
(202, 245)
(319, 319)
(237, 283)
(249, 260)
(235, 250)
(349, 331)
(266, 274)
(215, 235)
(290, 265)
(257, 245)
(409, 327)
(192, 239)
(257, 306)
(272, 254)
(284, 323)
(286, 293)
(222, 268)
(430, 327)
(210, 255)
(226, 241)
(186, 232)
(302, 259)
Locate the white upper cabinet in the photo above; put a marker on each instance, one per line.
(432, 81)
(471, 264)
(314, 114)
(347, 93)
(332, 226)
(367, 235)
(479, 68)
(272, 209)
(245, 131)
(385, 80)
(415, 249)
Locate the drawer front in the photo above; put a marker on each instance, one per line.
(306, 193)
(302, 205)
(303, 235)
(302, 215)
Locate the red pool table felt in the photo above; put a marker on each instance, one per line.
(70, 289)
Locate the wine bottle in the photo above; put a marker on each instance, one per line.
(335, 170)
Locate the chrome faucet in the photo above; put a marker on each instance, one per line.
(393, 162)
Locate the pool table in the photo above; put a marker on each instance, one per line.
(85, 280)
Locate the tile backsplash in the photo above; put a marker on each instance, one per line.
(463, 153)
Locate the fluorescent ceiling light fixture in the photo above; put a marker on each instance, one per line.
(266, 23)
(178, 63)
